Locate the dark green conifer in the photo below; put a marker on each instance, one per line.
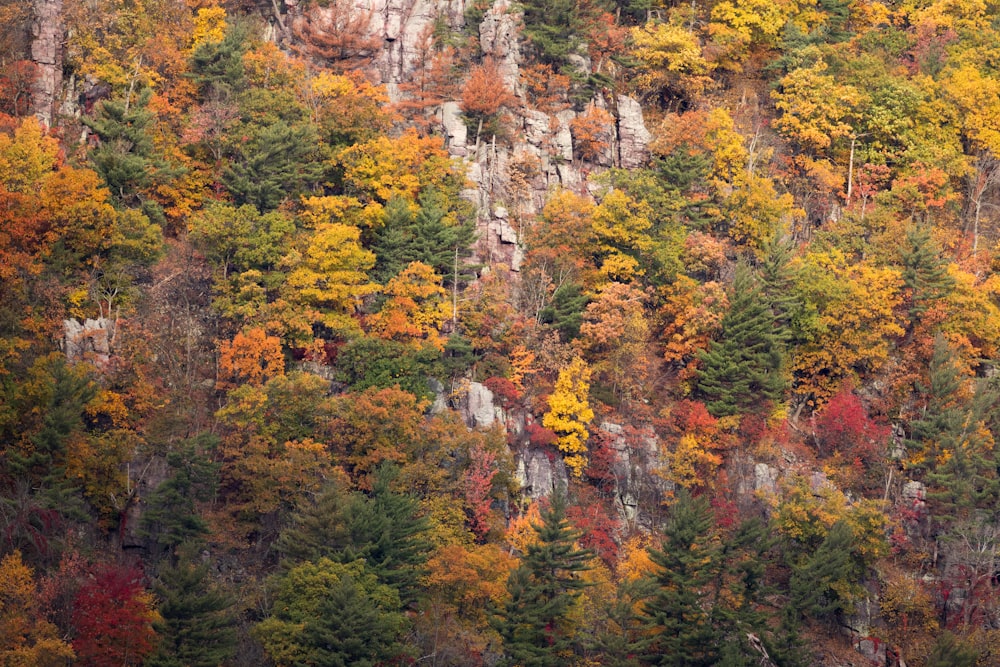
(686, 566)
(565, 311)
(925, 271)
(533, 623)
(817, 586)
(950, 651)
(196, 627)
(742, 370)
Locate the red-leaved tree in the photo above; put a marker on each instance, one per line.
(112, 617)
(844, 426)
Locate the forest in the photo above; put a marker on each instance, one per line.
(493, 332)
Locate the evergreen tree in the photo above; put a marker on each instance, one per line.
(273, 162)
(950, 651)
(533, 622)
(171, 518)
(196, 627)
(217, 67)
(818, 587)
(565, 311)
(126, 158)
(778, 288)
(925, 271)
(430, 236)
(742, 370)
(676, 613)
(382, 530)
(951, 443)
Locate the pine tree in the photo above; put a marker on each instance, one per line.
(676, 613)
(950, 651)
(533, 622)
(171, 518)
(925, 271)
(951, 443)
(565, 311)
(273, 162)
(742, 370)
(818, 586)
(430, 236)
(383, 530)
(196, 627)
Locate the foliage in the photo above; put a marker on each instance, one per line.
(569, 413)
(113, 615)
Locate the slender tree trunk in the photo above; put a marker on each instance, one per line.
(46, 54)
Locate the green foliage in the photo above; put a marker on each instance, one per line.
(330, 613)
(675, 612)
(925, 272)
(430, 236)
(196, 627)
(533, 623)
(381, 530)
(565, 310)
(822, 586)
(950, 651)
(217, 67)
(742, 370)
(272, 163)
(126, 157)
(375, 362)
(171, 516)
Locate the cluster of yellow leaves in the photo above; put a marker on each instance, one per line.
(569, 413)
(620, 225)
(331, 276)
(669, 57)
(209, 26)
(814, 107)
(855, 321)
(26, 638)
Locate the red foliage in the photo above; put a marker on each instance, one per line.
(599, 524)
(691, 417)
(539, 436)
(16, 81)
(112, 618)
(726, 512)
(504, 390)
(844, 426)
(600, 470)
(477, 486)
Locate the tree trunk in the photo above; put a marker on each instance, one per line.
(46, 53)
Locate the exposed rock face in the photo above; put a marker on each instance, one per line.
(539, 473)
(637, 455)
(90, 341)
(478, 407)
(46, 53)
(633, 137)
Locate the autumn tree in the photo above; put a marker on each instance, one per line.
(26, 637)
(614, 334)
(483, 96)
(569, 413)
(113, 616)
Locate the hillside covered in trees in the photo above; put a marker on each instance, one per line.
(593, 332)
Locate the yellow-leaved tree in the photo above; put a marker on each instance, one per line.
(569, 413)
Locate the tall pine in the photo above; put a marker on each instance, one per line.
(533, 622)
(677, 613)
(742, 370)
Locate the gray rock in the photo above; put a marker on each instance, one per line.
(90, 341)
(765, 478)
(539, 474)
(455, 129)
(479, 409)
(633, 137)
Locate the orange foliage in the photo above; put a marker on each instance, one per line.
(415, 310)
(252, 357)
(484, 92)
(592, 132)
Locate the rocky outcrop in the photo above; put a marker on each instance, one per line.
(90, 341)
(46, 54)
(633, 137)
(540, 472)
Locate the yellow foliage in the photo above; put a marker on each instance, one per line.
(209, 26)
(691, 463)
(521, 532)
(416, 309)
(634, 562)
(669, 56)
(26, 638)
(814, 106)
(757, 214)
(27, 157)
(569, 413)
